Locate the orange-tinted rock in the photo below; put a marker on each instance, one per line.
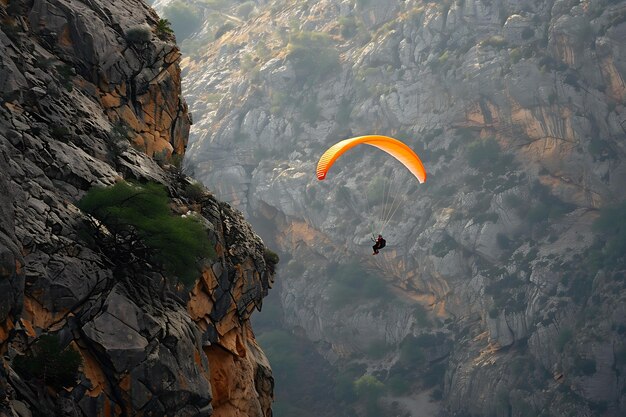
(110, 100)
(237, 392)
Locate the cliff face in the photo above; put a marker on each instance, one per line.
(517, 110)
(91, 97)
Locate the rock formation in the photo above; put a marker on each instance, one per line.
(90, 96)
(518, 111)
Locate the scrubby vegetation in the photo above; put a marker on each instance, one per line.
(164, 28)
(369, 389)
(48, 363)
(139, 34)
(271, 258)
(313, 56)
(140, 224)
(486, 156)
(348, 27)
(351, 283)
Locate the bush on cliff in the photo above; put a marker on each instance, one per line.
(164, 29)
(47, 362)
(313, 55)
(139, 34)
(351, 283)
(142, 225)
(369, 389)
(271, 258)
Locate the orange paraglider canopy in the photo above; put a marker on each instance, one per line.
(392, 146)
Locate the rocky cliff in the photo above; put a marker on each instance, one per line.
(90, 326)
(518, 111)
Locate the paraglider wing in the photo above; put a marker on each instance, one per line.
(392, 146)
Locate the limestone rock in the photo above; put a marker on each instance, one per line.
(489, 251)
(77, 92)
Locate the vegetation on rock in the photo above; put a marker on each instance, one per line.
(313, 55)
(47, 362)
(140, 221)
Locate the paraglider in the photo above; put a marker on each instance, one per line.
(379, 244)
(393, 147)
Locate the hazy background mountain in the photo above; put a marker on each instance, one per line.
(502, 291)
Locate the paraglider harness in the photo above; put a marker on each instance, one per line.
(379, 243)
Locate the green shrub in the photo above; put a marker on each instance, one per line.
(271, 257)
(194, 191)
(447, 244)
(496, 41)
(66, 74)
(516, 55)
(139, 34)
(351, 283)
(245, 9)
(175, 243)
(548, 206)
(368, 387)
(348, 27)
(226, 27)
(279, 100)
(120, 130)
(313, 56)
(46, 361)
(164, 28)
(59, 132)
(481, 154)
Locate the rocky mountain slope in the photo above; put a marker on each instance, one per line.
(502, 287)
(91, 324)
